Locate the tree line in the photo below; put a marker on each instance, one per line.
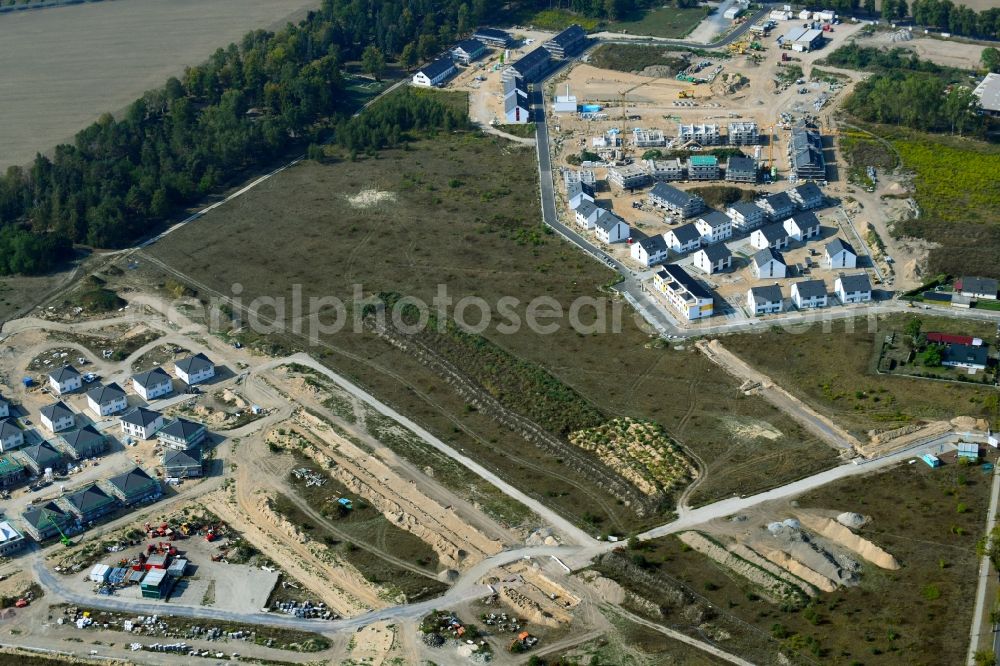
(243, 107)
(918, 100)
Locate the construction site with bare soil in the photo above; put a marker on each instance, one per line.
(185, 472)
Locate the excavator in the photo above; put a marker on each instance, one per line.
(63, 539)
(685, 94)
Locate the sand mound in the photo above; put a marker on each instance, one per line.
(966, 423)
(796, 568)
(809, 553)
(851, 520)
(848, 539)
(607, 589)
(370, 198)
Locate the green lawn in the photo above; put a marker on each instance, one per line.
(663, 22)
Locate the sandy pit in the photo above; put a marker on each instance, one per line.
(848, 539)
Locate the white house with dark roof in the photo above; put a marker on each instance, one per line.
(468, 50)
(684, 294)
(577, 192)
(152, 384)
(839, 254)
(855, 288)
(809, 294)
(57, 416)
(107, 399)
(746, 216)
(772, 236)
(65, 380)
(516, 107)
(11, 436)
(765, 300)
(802, 226)
(713, 258)
(610, 228)
(778, 206)
(650, 251)
(586, 214)
(977, 287)
(182, 434)
(141, 423)
(196, 368)
(806, 196)
(768, 263)
(683, 239)
(714, 227)
(434, 73)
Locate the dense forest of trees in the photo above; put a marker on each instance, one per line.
(241, 108)
(908, 91)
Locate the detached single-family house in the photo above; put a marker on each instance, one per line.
(610, 228)
(840, 254)
(197, 368)
(184, 464)
(745, 216)
(802, 226)
(683, 239)
(181, 434)
(65, 380)
(807, 196)
(772, 236)
(765, 300)
(135, 486)
(778, 206)
(516, 107)
(809, 294)
(141, 423)
(650, 251)
(853, 288)
(977, 287)
(578, 191)
(434, 73)
(675, 200)
(57, 416)
(12, 471)
(587, 213)
(714, 227)
(44, 521)
(11, 436)
(468, 50)
(713, 258)
(768, 263)
(85, 442)
(43, 456)
(684, 294)
(965, 356)
(91, 503)
(107, 399)
(152, 384)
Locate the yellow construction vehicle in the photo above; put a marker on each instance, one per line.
(685, 94)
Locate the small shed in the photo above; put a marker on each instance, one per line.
(156, 584)
(931, 460)
(968, 451)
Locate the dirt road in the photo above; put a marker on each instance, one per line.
(813, 421)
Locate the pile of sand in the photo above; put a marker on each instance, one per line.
(848, 539)
(852, 520)
(370, 198)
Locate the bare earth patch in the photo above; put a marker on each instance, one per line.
(370, 198)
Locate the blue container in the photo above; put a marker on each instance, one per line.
(590, 108)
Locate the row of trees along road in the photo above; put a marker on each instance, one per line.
(121, 177)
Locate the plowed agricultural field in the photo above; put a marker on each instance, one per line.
(64, 66)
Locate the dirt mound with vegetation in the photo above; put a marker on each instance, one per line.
(640, 451)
